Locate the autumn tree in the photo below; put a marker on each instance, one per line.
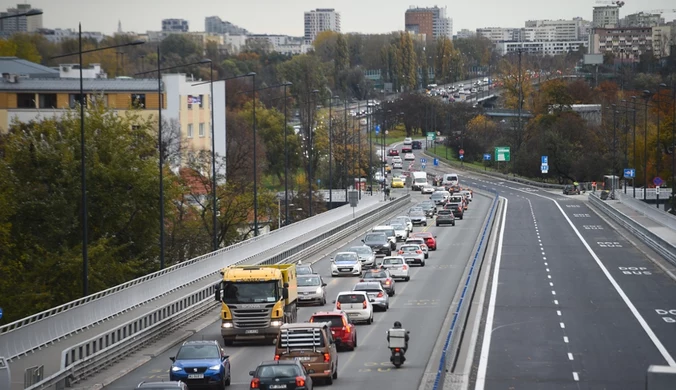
(341, 63)
(408, 62)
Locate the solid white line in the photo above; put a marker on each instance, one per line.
(488, 330)
(570, 356)
(575, 376)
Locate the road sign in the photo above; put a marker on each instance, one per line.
(423, 166)
(657, 181)
(629, 173)
(544, 168)
(431, 136)
(462, 156)
(545, 160)
(487, 157)
(657, 190)
(377, 129)
(502, 153)
(461, 152)
(0, 313)
(436, 162)
(423, 160)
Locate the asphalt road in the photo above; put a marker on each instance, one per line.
(421, 304)
(576, 305)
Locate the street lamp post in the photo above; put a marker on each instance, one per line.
(83, 177)
(646, 96)
(159, 71)
(331, 150)
(633, 181)
(345, 144)
(658, 155)
(311, 100)
(673, 145)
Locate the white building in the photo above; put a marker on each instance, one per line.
(664, 37)
(642, 19)
(607, 16)
(318, 20)
(540, 48)
(557, 30)
(72, 71)
(176, 25)
(59, 35)
(282, 43)
(499, 34)
(465, 33)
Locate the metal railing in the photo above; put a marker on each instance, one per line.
(26, 335)
(91, 356)
(648, 210)
(658, 244)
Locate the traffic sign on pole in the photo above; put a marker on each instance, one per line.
(657, 181)
(377, 129)
(461, 152)
(462, 156)
(545, 160)
(487, 157)
(502, 153)
(423, 160)
(629, 173)
(431, 136)
(436, 162)
(423, 166)
(544, 168)
(1, 313)
(657, 190)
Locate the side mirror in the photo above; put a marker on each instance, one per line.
(226, 357)
(408, 332)
(252, 373)
(286, 285)
(324, 284)
(285, 293)
(363, 241)
(173, 358)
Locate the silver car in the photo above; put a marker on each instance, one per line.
(418, 216)
(311, 289)
(421, 242)
(413, 254)
(304, 269)
(406, 220)
(366, 255)
(400, 231)
(376, 292)
(397, 267)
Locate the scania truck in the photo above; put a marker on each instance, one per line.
(256, 301)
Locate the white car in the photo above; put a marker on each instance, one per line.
(397, 267)
(409, 157)
(426, 189)
(408, 141)
(400, 230)
(467, 195)
(396, 159)
(397, 165)
(407, 219)
(346, 263)
(365, 254)
(421, 242)
(356, 304)
(412, 253)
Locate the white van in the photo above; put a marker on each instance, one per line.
(450, 179)
(419, 179)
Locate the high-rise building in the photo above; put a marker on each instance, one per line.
(627, 43)
(431, 21)
(20, 24)
(318, 20)
(214, 25)
(607, 16)
(500, 34)
(642, 19)
(560, 30)
(175, 25)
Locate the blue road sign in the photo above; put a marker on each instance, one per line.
(436, 162)
(545, 160)
(423, 166)
(487, 157)
(377, 129)
(629, 173)
(423, 160)
(658, 181)
(462, 156)
(544, 168)
(0, 313)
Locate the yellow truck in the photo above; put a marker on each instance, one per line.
(256, 300)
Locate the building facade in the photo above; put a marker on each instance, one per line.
(499, 34)
(626, 44)
(558, 30)
(664, 38)
(432, 22)
(72, 71)
(283, 44)
(465, 33)
(175, 25)
(23, 68)
(57, 35)
(606, 16)
(19, 24)
(318, 20)
(214, 25)
(540, 48)
(642, 19)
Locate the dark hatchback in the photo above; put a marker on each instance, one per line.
(445, 217)
(383, 276)
(379, 243)
(280, 374)
(416, 145)
(457, 208)
(429, 208)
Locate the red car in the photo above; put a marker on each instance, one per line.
(393, 152)
(430, 239)
(342, 329)
(407, 149)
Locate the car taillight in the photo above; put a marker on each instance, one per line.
(346, 329)
(327, 357)
(338, 305)
(388, 281)
(276, 357)
(300, 381)
(364, 305)
(404, 266)
(418, 251)
(380, 294)
(361, 280)
(401, 252)
(459, 208)
(255, 383)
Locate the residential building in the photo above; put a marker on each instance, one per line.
(72, 71)
(321, 19)
(642, 19)
(19, 24)
(627, 44)
(234, 43)
(214, 25)
(175, 25)
(583, 28)
(500, 34)
(556, 30)
(465, 33)
(539, 48)
(23, 68)
(664, 38)
(59, 34)
(607, 16)
(283, 44)
(431, 21)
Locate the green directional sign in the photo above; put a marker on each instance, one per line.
(431, 136)
(502, 153)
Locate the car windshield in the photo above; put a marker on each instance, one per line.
(398, 226)
(362, 250)
(346, 258)
(438, 195)
(444, 212)
(375, 238)
(304, 281)
(409, 248)
(368, 287)
(392, 261)
(415, 241)
(375, 275)
(303, 270)
(417, 212)
(454, 204)
(278, 371)
(192, 352)
(250, 292)
(351, 298)
(336, 321)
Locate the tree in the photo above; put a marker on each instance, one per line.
(325, 45)
(408, 62)
(180, 45)
(442, 68)
(25, 48)
(341, 63)
(8, 48)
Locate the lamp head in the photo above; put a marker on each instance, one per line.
(136, 42)
(34, 12)
(205, 61)
(251, 74)
(287, 83)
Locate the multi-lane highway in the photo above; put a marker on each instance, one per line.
(420, 304)
(572, 305)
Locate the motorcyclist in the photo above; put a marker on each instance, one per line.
(397, 325)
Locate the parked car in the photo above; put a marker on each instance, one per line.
(201, 363)
(311, 289)
(281, 374)
(383, 277)
(376, 292)
(343, 330)
(356, 304)
(445, 217)
(397, 267)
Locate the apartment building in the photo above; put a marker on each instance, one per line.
(57, 35)
(19, 24)
(175, 25)
(540, 48)
(500, 34)
(283, 44)
(607, 16)
(431, 21)
(642, 19)
(318, 20)
(557, 30)
(627, 44)
(214, 25)
(664, 38)
(465, 33)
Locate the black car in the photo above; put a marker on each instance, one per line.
(457, 208)
(280, 374)
(429, 208)
(379, 243)
(163, 385)
(416, 145)
(445, 217)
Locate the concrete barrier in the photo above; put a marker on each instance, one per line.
(661, 378)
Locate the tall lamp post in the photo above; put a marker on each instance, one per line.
(159, 71)
(311, 100)
(83, 179)
(646, 97)
(658, 155)
(633, 181)
(331, 97)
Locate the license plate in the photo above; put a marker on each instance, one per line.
(277, 386)
(251, 331)
(411, 259)
(195, 376)
(345, 270)
(303, 358)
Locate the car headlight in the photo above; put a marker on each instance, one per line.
(319, 290)
(226, 325)
(176, 369)
(276, 323)
(216, 367)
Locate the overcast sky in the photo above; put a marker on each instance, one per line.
(286, 17)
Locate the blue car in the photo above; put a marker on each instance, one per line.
(201, 364)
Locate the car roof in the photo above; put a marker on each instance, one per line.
(301, 325)
(201, 342)
(351, 292)
(281, 362)
(346, 253)
(369, 284)
(160, 385)
(329, 313)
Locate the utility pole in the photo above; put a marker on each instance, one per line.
(520, 103)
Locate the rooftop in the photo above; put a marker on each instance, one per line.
(21, 67)
(73, 84)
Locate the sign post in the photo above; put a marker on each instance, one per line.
(657, 181)
(630, 173)
(544, 164)
(487, 158)
(354, 200)
(502, 153)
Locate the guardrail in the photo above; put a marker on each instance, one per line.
(26, 335)
(80, 361)
(461, 310)
(664, 248)
(649, 210)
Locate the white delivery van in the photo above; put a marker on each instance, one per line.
(419, 179)
(450, 179)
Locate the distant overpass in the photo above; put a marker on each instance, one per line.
(507, 113)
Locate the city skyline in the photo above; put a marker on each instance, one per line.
(355, 16)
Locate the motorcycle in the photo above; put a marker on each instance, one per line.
(397, 357)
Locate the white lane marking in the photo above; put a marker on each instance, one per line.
(551, 284)
(556, 302)
(488, 330)
(553, 292)
(558, 312)
(570, 356)
(549, 276)
(565, 339)
(562, 325)
(575, 376)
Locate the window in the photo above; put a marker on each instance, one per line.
(190, 131)
(201, 129)
(138, 100)
(201, 101)
(47, 100)
(75, 99)
(25, 100)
